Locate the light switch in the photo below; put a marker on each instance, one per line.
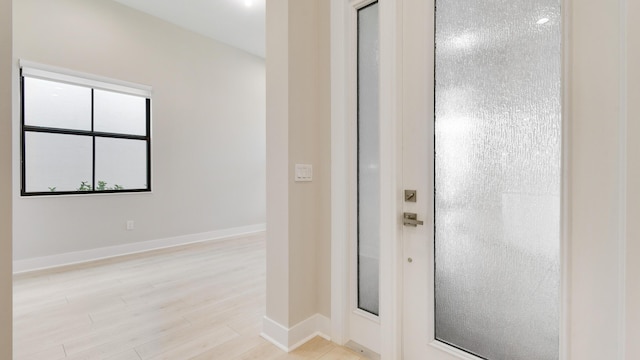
(304, 172)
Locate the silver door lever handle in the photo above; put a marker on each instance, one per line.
(411, 219)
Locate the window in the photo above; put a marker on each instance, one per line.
(83, 134)
(497, 177)
(368, 162)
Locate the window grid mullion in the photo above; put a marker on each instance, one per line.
(93, 134)
(93, 161)
(148, 136)
(23, 166)
(42, 129)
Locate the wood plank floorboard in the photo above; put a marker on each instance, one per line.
(200, 301)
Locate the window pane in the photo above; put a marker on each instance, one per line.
(56, 162)
(368, 160)
(119, 113)
(497, 180)
(121, 164)
(57, 105)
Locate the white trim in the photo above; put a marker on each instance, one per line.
(453, 351)
(339, 176)
(357, 328)
(390, 181)
(48, 72)
(316, 325)
(366, 315)
(359, 4)
(565, 183)
(78, 257)
(362, 350)
(342, 111)
(275, 333)
(289, 339)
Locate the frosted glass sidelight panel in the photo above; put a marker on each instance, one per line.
(55, 162)
(497, 177)
(56, 105)
(368, 160)
(119, 113)
(121, 164)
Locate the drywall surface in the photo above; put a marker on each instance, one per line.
(633, 182)
(305, 141)
(208, 128)
(6, 291)
(277, 69)
(298, 132)
(323, 255)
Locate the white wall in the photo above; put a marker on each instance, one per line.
(298, 132)
(277, 65)
(6, 308)
(208, 128)
(309, 142)
(633, 182)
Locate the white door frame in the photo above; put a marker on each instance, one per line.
(391, 109)
(343, 101)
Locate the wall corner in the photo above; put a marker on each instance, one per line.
(6, 289)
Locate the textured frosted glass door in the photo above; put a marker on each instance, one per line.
(497, 177)
(368, 159)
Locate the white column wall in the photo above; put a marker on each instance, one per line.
(632, 311)
(298, 132)
(277, 67)
(6, 309)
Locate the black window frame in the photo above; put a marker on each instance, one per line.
(24, 129)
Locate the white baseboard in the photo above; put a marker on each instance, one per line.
(77, 257)
(290, 339)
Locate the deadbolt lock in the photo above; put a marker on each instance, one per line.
(410, 195)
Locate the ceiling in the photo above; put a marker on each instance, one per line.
(240, 23)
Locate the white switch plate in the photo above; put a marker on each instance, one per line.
(304, 172)
(130, 225)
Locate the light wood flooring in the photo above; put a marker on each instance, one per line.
(202, 301)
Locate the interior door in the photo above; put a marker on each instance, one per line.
(481, 124)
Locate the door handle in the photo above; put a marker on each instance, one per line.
(411, 219)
